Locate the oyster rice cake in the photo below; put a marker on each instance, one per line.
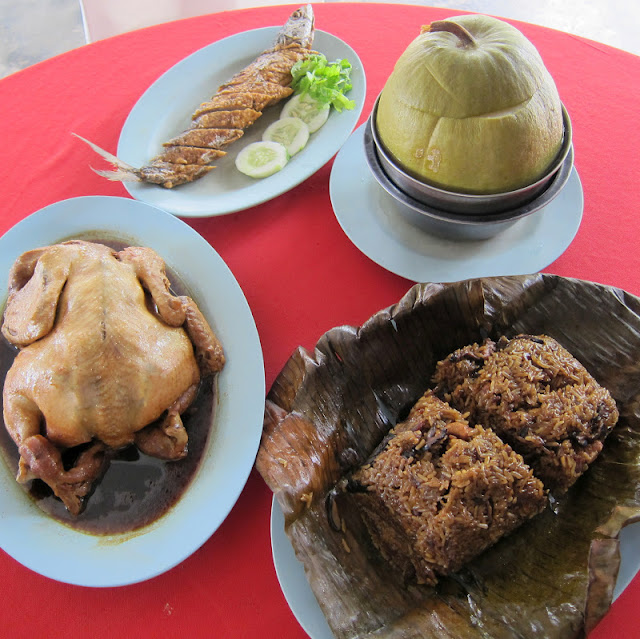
(537, 397)
(439, 491)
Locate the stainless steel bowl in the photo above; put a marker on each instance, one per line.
(460, 226)
(465, 203)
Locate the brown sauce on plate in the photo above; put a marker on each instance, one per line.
(136, 489)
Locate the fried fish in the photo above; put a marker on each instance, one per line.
(222, 120)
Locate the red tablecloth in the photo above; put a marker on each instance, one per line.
(300, 274)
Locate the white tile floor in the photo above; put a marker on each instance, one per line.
(33, 30)
(614, 22)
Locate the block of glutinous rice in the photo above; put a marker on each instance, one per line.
(537, 397)
(437, 492)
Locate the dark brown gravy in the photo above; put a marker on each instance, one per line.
(136, 489)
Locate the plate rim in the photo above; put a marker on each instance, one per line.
(106, 561)
(418, 267)
(309, 616)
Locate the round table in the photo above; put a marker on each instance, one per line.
(300, 273)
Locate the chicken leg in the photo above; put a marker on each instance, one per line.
(39, 458)
(168, 438)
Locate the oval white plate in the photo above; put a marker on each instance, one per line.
(374, 222)
(304, 605)
(54, 550)
(165, 109)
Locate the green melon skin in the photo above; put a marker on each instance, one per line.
(474, 119)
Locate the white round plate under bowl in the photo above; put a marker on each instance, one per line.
(165, 109)
(50, 548)
(304, 605)
(375, 223)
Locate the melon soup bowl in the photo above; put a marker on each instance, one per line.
(464, 216)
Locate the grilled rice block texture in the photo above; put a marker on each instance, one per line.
(438, 492)
(537, 398)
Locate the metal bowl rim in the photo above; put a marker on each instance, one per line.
(435, 191)
(557, 183)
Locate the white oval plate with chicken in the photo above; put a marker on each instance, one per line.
(165, 109)
(50, 548)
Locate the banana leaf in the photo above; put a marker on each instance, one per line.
(329, 409)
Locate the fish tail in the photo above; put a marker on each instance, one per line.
(119, 175)
(123, 172)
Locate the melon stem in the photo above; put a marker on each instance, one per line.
(466, 39)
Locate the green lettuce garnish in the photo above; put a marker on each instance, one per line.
(326, 82)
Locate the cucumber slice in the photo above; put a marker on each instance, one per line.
(262, 159)
(292, 133)
(312, 113)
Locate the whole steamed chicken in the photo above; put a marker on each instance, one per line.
(108, 357)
